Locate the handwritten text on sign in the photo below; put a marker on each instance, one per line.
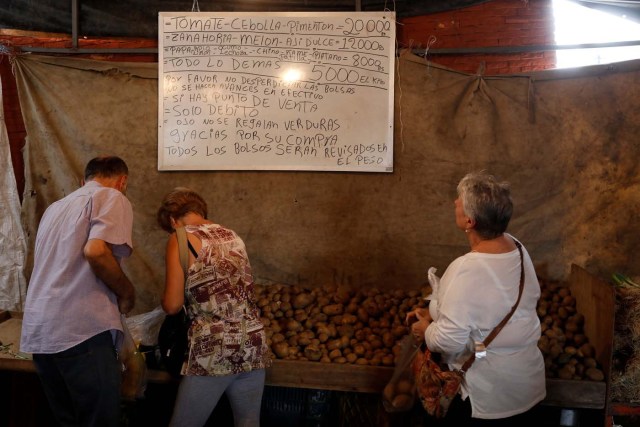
(273, 91)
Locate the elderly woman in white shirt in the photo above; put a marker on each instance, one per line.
(474, 294)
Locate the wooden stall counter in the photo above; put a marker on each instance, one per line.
(594, 298)
(11, 358)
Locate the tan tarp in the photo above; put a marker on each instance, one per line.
(567, 142)
(13, 244)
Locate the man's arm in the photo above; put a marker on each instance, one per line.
(105, 266)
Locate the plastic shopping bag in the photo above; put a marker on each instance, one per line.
(399, 394)
(145, 327)
(134, 368)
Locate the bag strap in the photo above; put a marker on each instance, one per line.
(504, 321)
(183, 250)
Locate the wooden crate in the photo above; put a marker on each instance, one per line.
(595, 299)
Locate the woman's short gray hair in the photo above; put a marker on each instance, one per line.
(486, 201)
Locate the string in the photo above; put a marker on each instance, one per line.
(399, 85)
(430, 42)
(400, 99)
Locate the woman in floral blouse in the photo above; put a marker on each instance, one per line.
(227, 343)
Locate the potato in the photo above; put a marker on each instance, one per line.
(387, 360)
(362, 314)
(371, 307)
(562, 313)
(387, 339)
(555, 350)
(402, 401)
(351, 308)
(399, 331)
(404, 386)
(281, 349)
(579, 339)
(594, 374)
(334, 344)
(590, 362)
(323, 301)
(302, 300)
(389, 391)
(566, 372)
(276, 338)
(351, 357)
(344, 341)
(376, 343)
(342, 296)
(333, 309)
(312, 352)
(349, 319)
(571, 326)
(586, 350)
(293, 325)
(304, 340)
(300, 315)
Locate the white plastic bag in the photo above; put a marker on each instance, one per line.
(434, 281)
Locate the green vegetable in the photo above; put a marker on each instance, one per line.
(624, 281)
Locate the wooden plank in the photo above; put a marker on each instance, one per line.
(328, 376)
(596, 300)
(576, 394)
(10, 329)
(18, 365)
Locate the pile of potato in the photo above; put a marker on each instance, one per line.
(567, 352)
(364, 327)
(336, 324)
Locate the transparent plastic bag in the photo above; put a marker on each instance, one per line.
(134, 368)
(399, 395)
(145, 327)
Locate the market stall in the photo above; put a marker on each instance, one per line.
(594, 299)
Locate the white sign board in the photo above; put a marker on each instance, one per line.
(276, 91)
